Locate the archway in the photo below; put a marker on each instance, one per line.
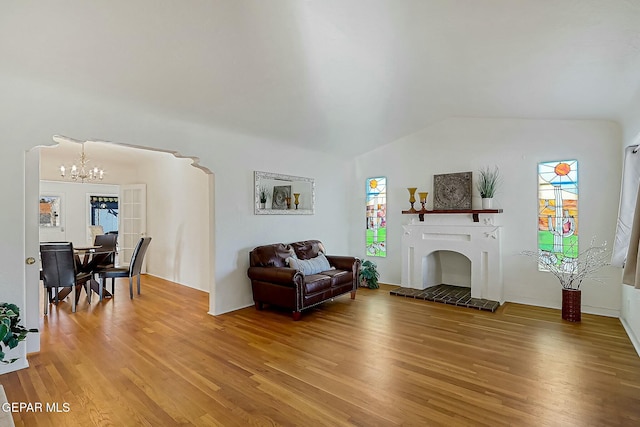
(172, 241)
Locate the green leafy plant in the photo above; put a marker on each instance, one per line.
(263, 193)
(369, 274)
(488, 180)
(11, 332)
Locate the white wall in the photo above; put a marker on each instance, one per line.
(515, 146)
(630, 314)
(238, 230)
(178, 197)
(74, 210)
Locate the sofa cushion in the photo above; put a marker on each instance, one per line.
(339, 277)
(315, 283)
(310, 266)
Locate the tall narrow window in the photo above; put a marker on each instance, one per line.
(558, 210)
(376, 190)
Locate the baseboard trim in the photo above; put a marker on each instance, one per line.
(179, 283)
(587, 309)
(631, 335)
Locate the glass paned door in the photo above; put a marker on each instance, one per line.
(132, 219)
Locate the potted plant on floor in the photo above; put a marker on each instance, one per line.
(11, 331)
(487, 184)
(571, 272)
(369, 274)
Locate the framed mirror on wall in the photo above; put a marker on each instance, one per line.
(278, 194)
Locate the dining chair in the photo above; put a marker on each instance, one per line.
(134, 269)
(59, 270)
(110, 242)
(101, 261)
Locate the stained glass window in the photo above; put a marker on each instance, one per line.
(558, 211)
(376, 190)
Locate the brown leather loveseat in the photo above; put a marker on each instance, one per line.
(299, 275)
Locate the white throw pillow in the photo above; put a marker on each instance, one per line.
(310, 266)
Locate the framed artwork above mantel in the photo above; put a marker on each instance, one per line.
(452, 191)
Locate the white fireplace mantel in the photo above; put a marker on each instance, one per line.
(479, 242)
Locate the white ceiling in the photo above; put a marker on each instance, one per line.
(334, 74)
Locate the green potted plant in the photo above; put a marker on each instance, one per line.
(11, 332)
(487, 184)
(369, 274)
(263, 193)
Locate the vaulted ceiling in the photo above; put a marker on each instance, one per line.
(333, 74)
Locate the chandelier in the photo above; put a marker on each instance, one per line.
(83, 172)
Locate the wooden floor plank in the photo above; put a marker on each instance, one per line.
(160, 359)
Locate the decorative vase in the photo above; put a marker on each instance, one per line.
(487, 203)
(263, 204)
(296, 201)
(423, 198)
(412, 197)
(571, 305)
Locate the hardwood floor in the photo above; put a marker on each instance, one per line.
(378, 360)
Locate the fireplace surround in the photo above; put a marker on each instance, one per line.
(477, 241)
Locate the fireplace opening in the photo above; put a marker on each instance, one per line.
(446, 267)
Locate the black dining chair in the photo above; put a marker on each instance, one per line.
(134, 269)
(101, 261)
(59, 270)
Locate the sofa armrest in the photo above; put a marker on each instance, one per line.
(342, 262)
(278, 275)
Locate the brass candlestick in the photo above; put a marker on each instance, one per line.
(288, 199)
(423, 198)
(296, 195)
(412, 197)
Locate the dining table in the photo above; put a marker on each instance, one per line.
(84, 255)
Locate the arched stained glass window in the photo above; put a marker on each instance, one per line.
(376, 240)
(558, 210)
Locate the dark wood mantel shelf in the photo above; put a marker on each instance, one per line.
(474, 212)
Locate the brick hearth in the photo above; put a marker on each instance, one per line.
(447, 294)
